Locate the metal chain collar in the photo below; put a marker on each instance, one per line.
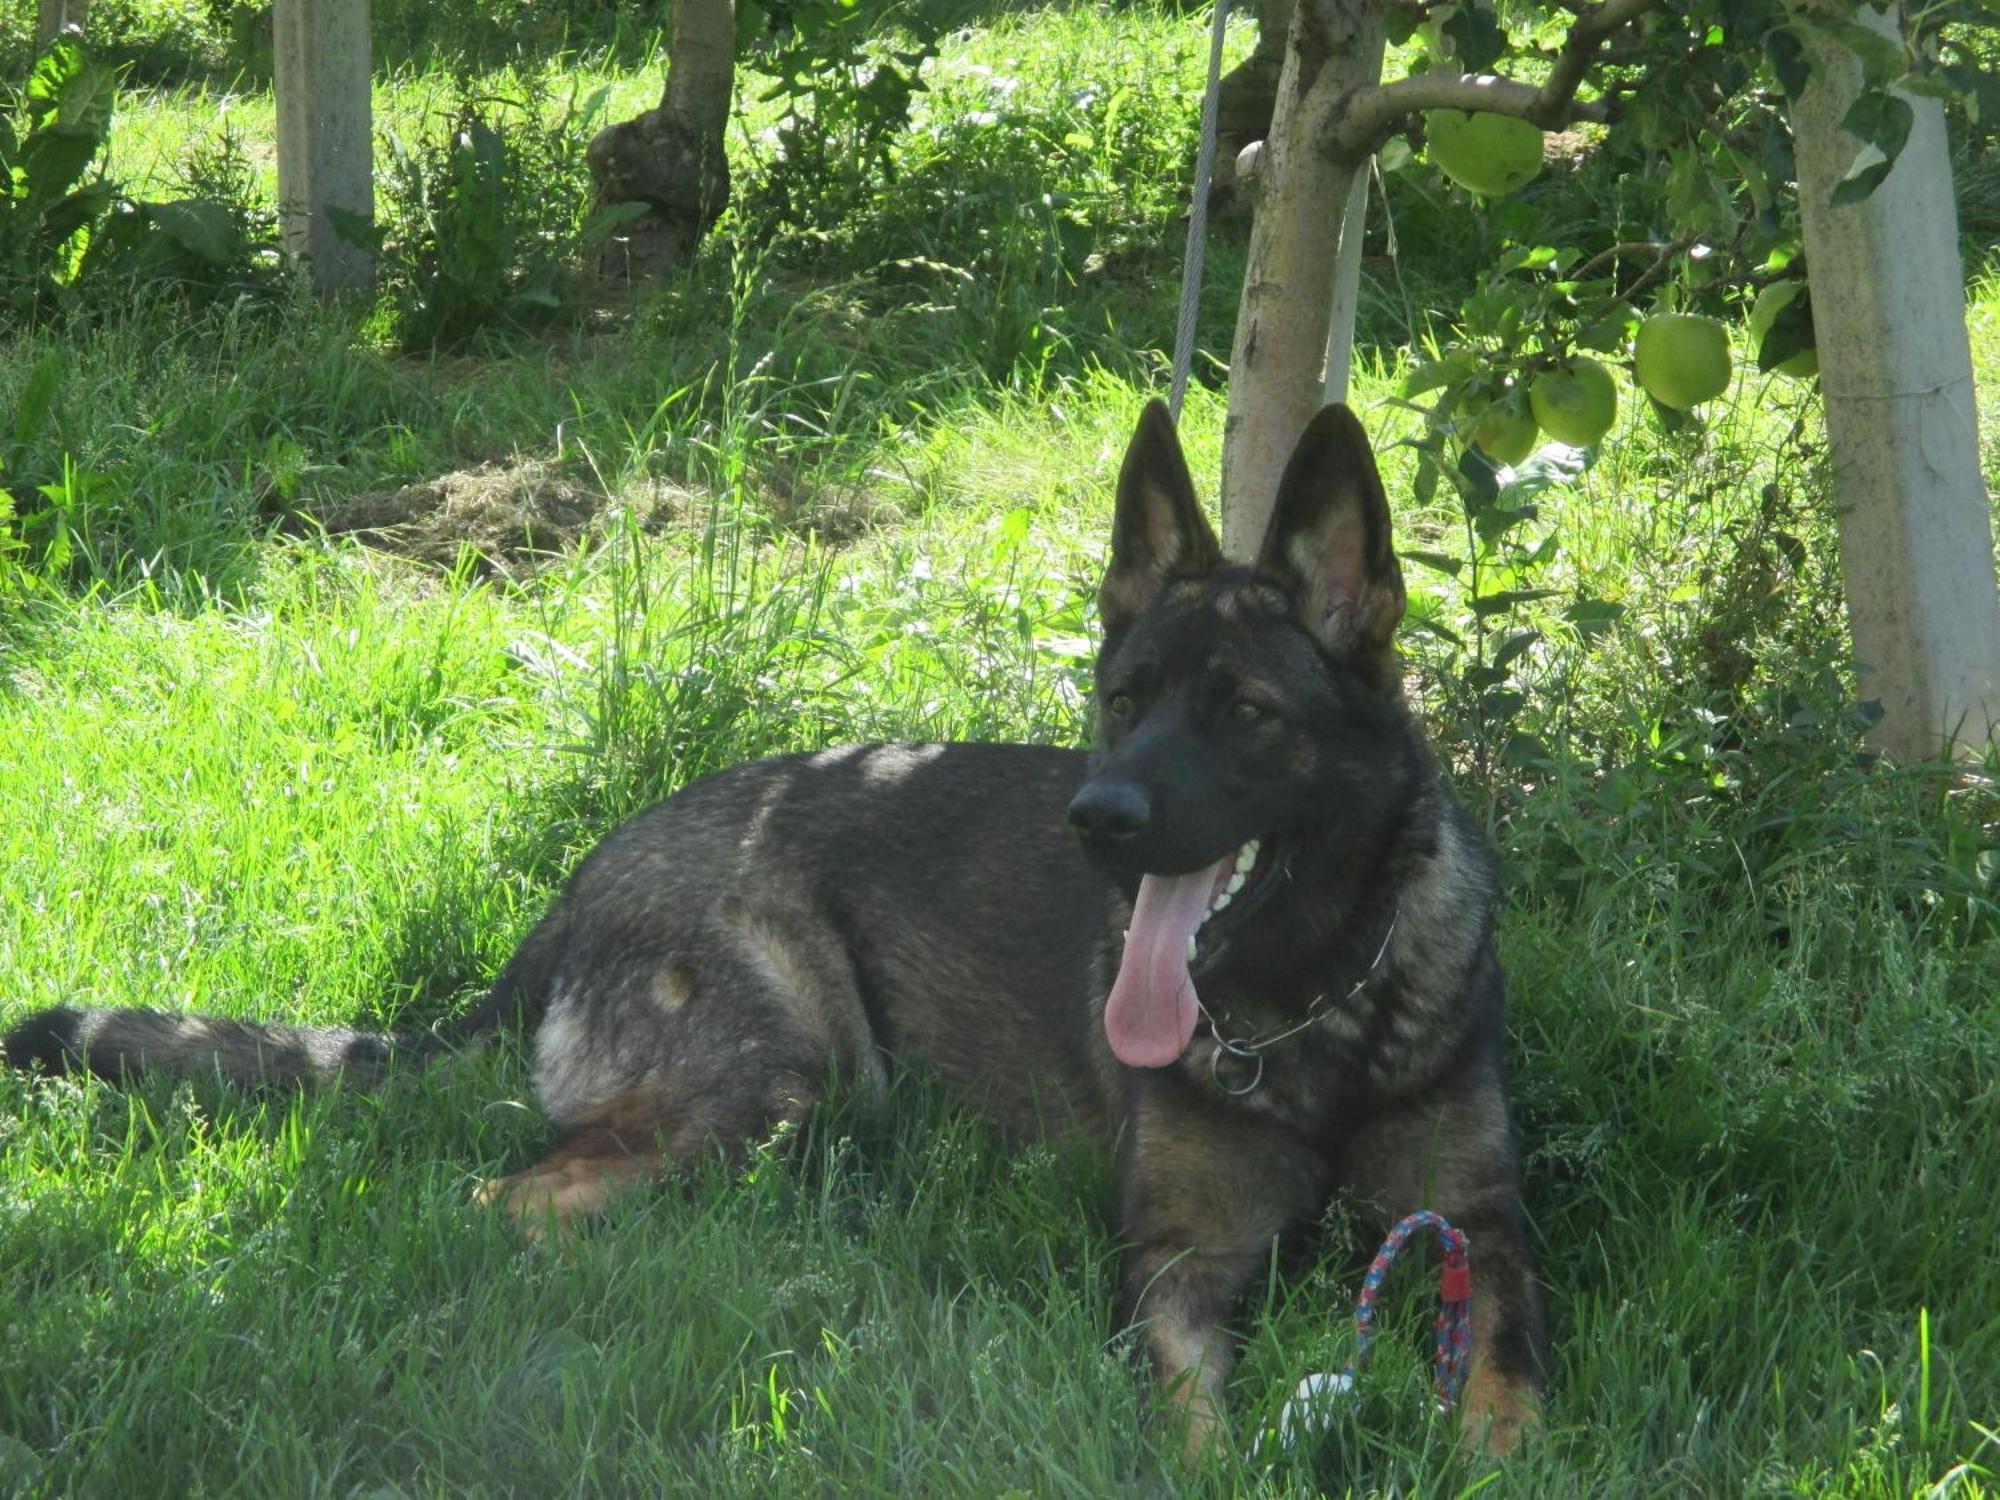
(1252, 1050)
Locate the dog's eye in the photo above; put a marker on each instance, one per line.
(1243, 711)
(1119, 705)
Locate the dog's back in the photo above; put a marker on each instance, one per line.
(924, 901)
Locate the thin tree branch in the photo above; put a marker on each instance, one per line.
(1624, 250)
(1373, 114)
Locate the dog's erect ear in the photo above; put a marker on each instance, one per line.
(1159, 530)
(1328, 543)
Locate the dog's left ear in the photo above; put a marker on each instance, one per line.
(1328, 543)
(1159, 529)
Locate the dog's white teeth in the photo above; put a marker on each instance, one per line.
(1221, 900)
(1236, 883)
(1246, 857)
(1190, 947)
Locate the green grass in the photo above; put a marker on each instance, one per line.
(1755, 978)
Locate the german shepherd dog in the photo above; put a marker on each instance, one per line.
(1246, 944)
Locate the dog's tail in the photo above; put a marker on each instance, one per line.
(115, 1043)
(120, 1042)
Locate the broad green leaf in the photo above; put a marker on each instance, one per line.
(1505, 599)
(1861, 180)
(1592, 617)
(1477, 36)
(1881, 119)
(1791, 332)
(1789, 63)
(202, 228)
(38, 398)
(1510, 649)
(1882, 58)
(54, 159)
(1442, 562)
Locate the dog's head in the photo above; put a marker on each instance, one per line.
(1238, 706)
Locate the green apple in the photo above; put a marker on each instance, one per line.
(1505, 432)
(1682, 359)
(1576, 404)
(1489, 154)
(1773, 300)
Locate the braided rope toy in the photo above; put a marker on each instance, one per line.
(1308, 1409)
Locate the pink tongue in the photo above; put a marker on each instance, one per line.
(1151, 1013)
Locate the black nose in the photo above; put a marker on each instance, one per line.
(1110, 810)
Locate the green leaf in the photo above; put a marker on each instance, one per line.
(1510, 649)
(202, 228)
(1450, 369)
(77, 92)
(80, 210)
(1477, 479)
(1881, 119)
(1861, 180)
(1790, 65)
(1592, 617)
(1791, 332)
(1548, 467)
(54, 159)
(1441, 562)
(356, 229)
(1527, 753)
(1744, 21)
(1525, 257)
(1881, 57)
(1502, 600)
(1977, 87)
(1494, 521)
(602, 224)
(1478, 38)
(1610, 332)
(38, 398)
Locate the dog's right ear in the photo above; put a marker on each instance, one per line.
(1159, 530)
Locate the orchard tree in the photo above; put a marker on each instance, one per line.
(671, 157)
(1853, 252)
(842, 99)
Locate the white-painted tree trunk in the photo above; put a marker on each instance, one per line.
(1916, 537)
(1277, 365)
(1346, 289)
(325, 135)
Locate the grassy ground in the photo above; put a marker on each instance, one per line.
(260, 771)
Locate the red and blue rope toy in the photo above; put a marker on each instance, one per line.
(1454, 1320)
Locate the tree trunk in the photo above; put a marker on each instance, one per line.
(52, 16)
(1916, 535)
(326, 140)
(1276, 369)
(1249, 92)
(671, 157)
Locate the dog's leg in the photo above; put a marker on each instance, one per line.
(1457, 1157)
(1181, 1297)
(650, 1061)
(577, 1180)
(640, 1140)
(1204, 1198)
